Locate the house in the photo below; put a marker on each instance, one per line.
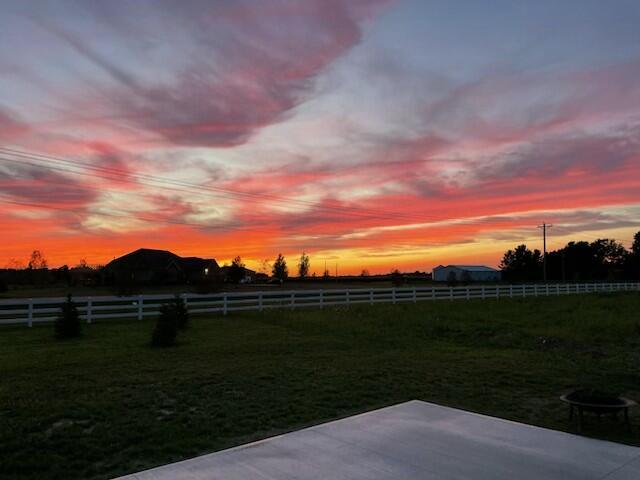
(147, 266)
(196, 269)
(466, 273)
(245, 275)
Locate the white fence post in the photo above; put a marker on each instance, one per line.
(510, 291)
(225, 307)
(321, 298)
(348, 298)
(468, 292)
(393, 295)
(293, 300)
(433, 292)
(30, 313)
(450, 293)
(260, 306)
(415, 299)
(482, 291)
(371, 296)
(89, 308)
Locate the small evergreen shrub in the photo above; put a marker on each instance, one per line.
(166, 329)
(68, 324)
(182, 313)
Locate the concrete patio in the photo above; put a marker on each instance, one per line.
(413, 440)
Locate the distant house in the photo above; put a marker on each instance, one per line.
(248, 276)
(466, 273)
(147, 266)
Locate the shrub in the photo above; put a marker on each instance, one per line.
(182, 313)
(68, 323)
(166, 329)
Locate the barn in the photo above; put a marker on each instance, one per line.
(465, 273)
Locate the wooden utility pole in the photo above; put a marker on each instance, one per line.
(544, 228)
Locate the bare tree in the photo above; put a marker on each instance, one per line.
(37, 261)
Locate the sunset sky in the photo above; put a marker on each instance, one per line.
(371, 133)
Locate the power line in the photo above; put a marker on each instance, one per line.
(118, 174)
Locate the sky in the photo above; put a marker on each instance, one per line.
(372, 134)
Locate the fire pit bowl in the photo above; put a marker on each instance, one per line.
(593, 401)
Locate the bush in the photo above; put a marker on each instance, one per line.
(68, 323)
(166, 329)
(182, 313)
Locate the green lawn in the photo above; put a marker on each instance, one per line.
(108, 404)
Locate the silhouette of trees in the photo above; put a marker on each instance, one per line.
(397, 278)
(522, 264)
(37, 261)
(602, 259)
(635, 248)
(236, 270)
(280, 270)
(303, 265)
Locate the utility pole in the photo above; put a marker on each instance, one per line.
(544, 228)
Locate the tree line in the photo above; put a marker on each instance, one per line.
(602, 259)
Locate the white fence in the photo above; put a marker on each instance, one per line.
(34, 310)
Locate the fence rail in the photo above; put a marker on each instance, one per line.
(36, 310)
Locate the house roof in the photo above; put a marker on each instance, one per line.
(150, 259)
(144, 258)
(197, 263)
(469, 268)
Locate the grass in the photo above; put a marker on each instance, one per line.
(107, 404)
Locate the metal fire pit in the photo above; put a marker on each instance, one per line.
(611, 405)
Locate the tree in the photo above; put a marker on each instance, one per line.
(303, 265)
(15, 264)
(37, 261)
(280, 270)
(265, 266)
(166, 329)
(67, 323)
(182, 313)
(364, 273)
(632, 263)
(522, 264)
(609, 256)
(635, 248)
(397, 278)
(236, 271)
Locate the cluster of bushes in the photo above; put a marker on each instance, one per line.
(174, 317)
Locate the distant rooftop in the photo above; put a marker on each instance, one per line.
(470, 268)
